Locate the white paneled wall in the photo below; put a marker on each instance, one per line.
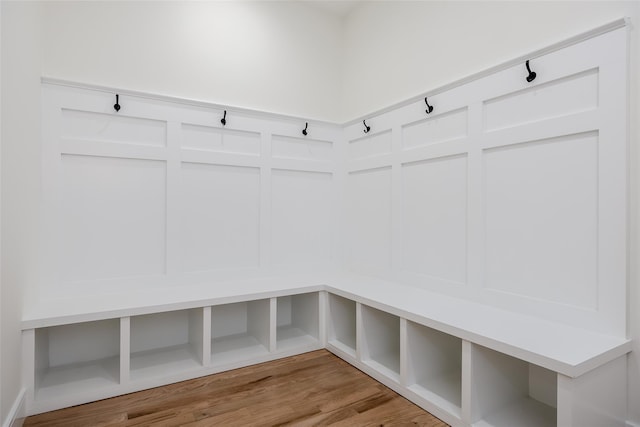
(162, 194)
(510, 193)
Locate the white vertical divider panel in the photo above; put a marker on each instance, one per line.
(360, 339)
(475, 215)
(273, 324)
(196, 333)
(404, 353)
(125, 349)
(206, 336)
(613, 171)
(265, 202)
(466, 382)
(323, 307)
(174, 166)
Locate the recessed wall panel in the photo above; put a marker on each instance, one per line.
(89, 126)
(369, 220)
(370, 146)
(433, 130)
(220, 140)
(220, 217)
(113, 217)
(541, 213)
(434, 218)
(283, 147)
(302, 217)
(557, 98)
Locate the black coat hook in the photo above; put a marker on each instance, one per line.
(223, 120)
(366, 128)
(304, 131)
(429, 107)
(116, 106)
(532, 75)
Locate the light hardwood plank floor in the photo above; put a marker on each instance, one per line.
(312, 389)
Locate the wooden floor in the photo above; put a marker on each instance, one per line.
(311, 389)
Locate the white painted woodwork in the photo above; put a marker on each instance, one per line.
(163, 343)
(114, 217)
(484, 243)
(510, 401)
(509, 193)
(161, 194)
(71, 357)
(297, 320)
(207, 138)
(220, 217)
(239, 331)
(434, 219)
(369, 219)
(302, 219)
(342, 323)
(434, 366)
(381, 341)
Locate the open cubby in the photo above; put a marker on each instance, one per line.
(509, 392)
(166, 343)
(297, 320)
(239, 331)
(381, 341)
(434, 366)
(76, 357)
(342, 324)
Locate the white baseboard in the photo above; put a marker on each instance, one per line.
(15, 418)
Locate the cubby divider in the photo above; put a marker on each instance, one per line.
(434, 366)
(239, 331)
(342, 324)
(297, 321)
(380, 341)
(507, 392)
(70, 358)
(166, 343)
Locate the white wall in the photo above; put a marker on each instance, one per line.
(280, 57)
(397, 50)
(21, 61)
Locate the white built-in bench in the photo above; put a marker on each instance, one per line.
(466, 363)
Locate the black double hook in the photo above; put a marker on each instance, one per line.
(366, 128)
(532, 75)
(116, 106)
(304, 131)
(429, 107)
(223, 120)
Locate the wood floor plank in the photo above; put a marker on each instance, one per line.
(311, 389)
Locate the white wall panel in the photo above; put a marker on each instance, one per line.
(113, 221)
(568, 95)
(541, 203)
(369, 216)
(370, 146)
(302, 218)
(220, 217)
(434, 218)
(283, 147)
(220, 140)
(91, 126)
(432, 130)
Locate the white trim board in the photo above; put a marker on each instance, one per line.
(16, 415)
